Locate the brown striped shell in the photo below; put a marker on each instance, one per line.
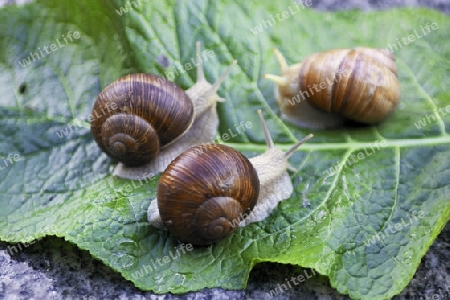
(205, 192)
(138, 114)
(358, 84)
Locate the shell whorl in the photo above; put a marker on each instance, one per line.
(137, 115)
(129, 139)
(217, 218)
(205, 191)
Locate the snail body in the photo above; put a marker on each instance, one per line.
(154, 120)
(209, 190)
(330, 87)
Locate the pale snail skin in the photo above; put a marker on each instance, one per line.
(202, 129)
(358, 84)
(275, 184)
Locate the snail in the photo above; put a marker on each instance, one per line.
(144, 121)
(342, 84)
(209, 190)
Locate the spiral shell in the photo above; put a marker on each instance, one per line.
(137, 115)
(205, 192)
(358, 84)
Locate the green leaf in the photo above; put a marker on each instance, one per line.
(369, 223)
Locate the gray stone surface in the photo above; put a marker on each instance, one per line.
(54, 269)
